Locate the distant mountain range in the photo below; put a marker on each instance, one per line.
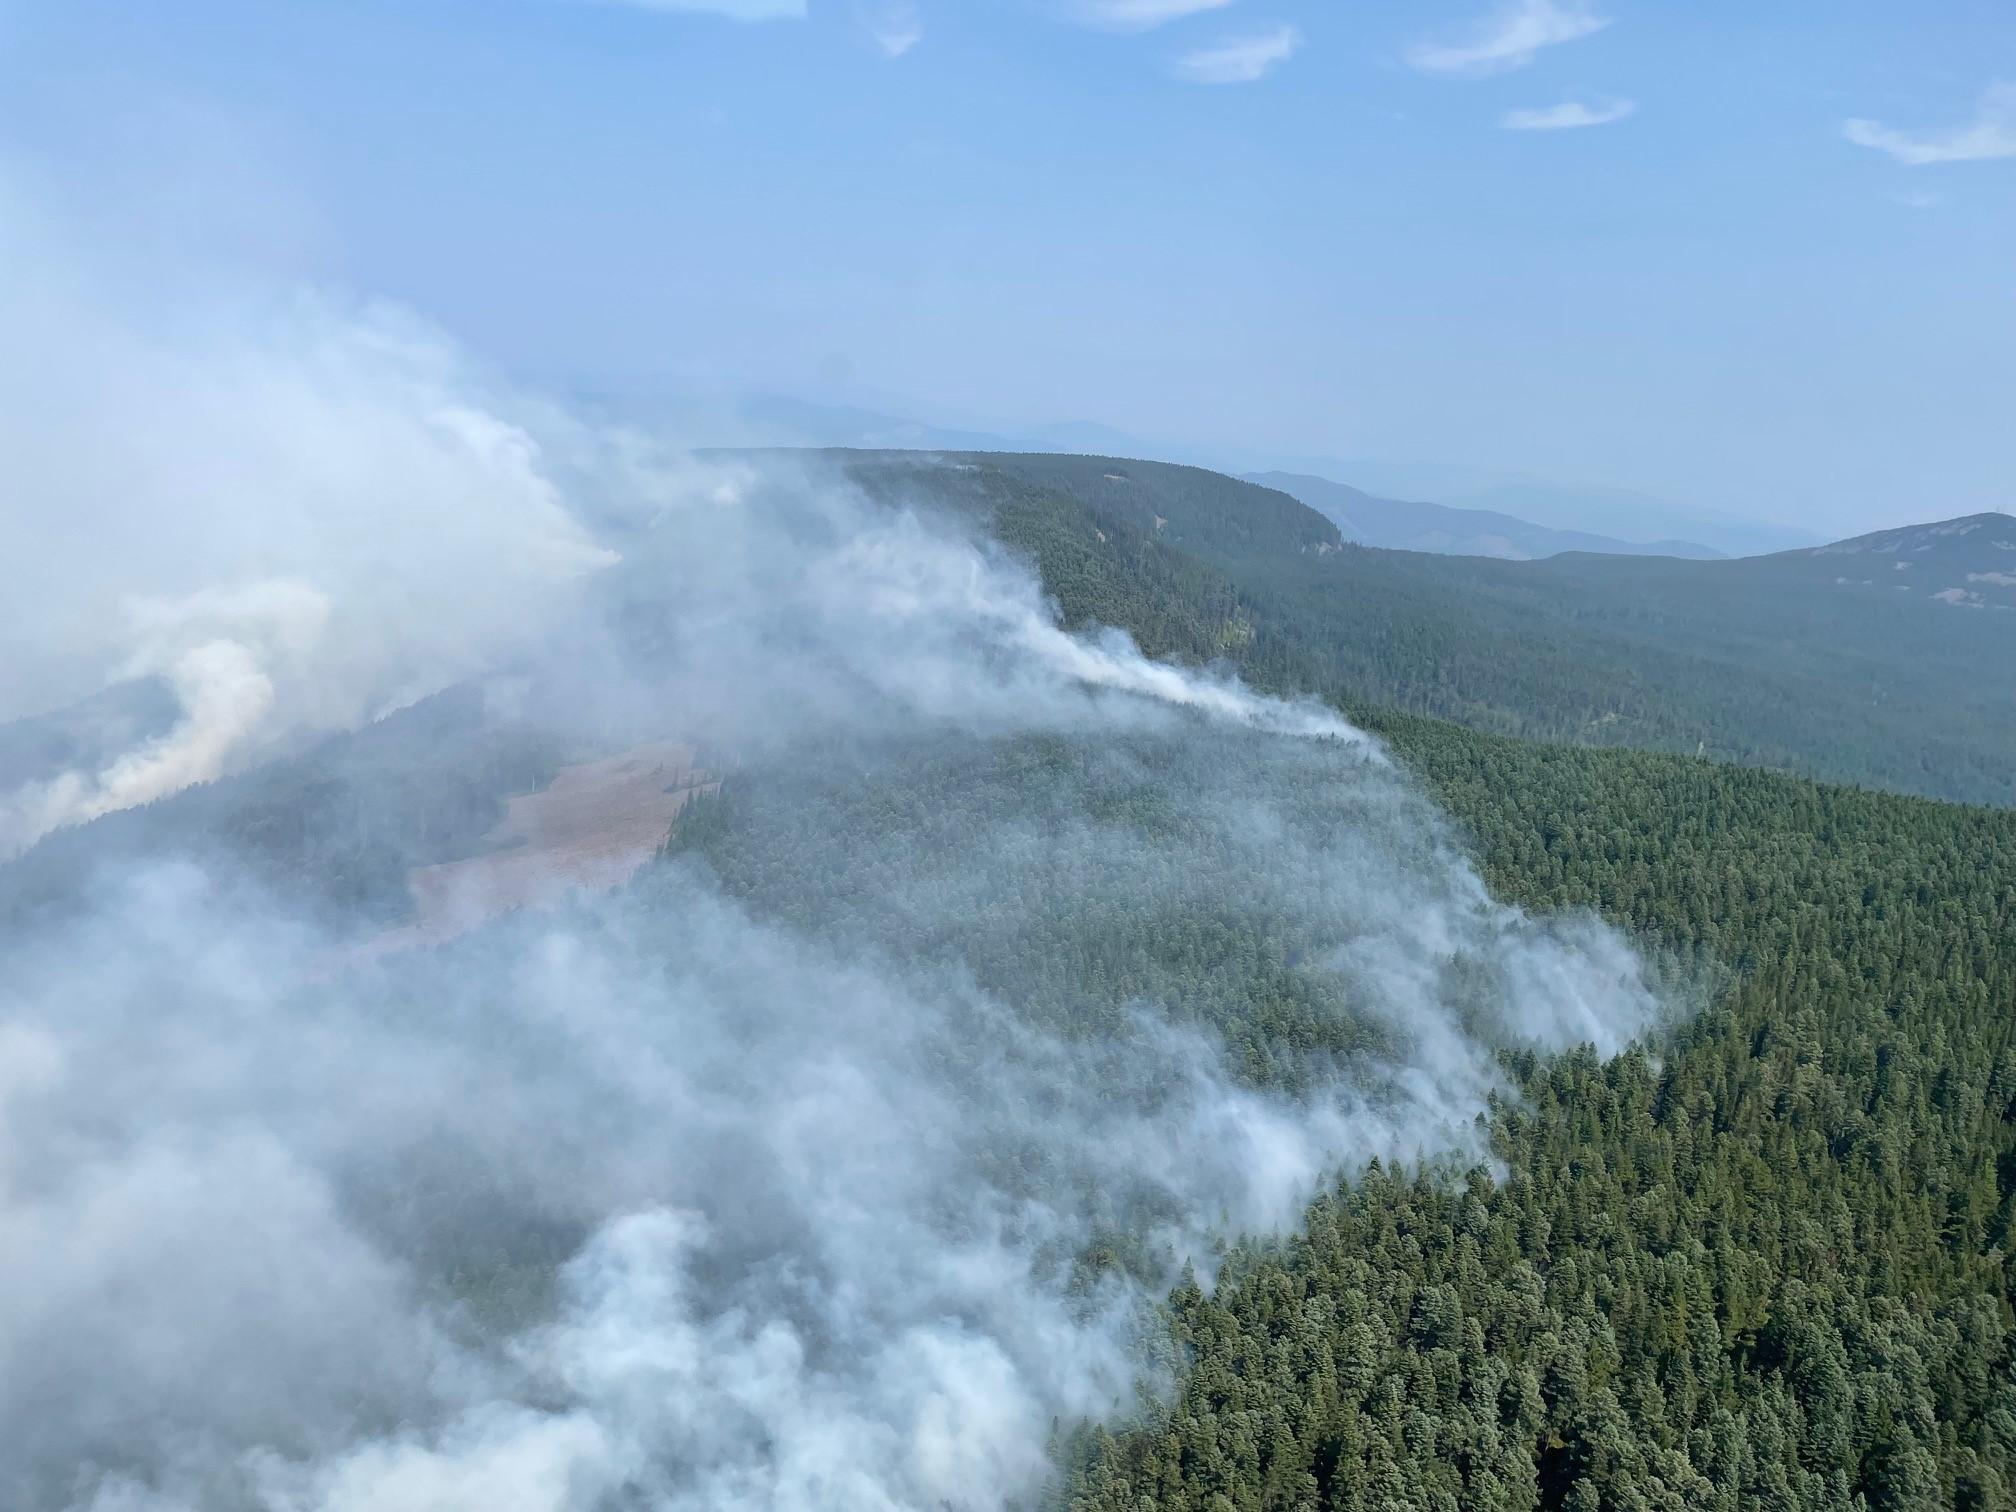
(1402, 525)
(1634, 521)
(1623, 513)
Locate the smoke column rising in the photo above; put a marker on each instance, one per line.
(299, 511)
(695, 1196)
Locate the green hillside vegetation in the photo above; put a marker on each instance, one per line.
(1767, 1265)
(1968, 563)
(1766, 1261)
(1099, 905)
(1769, 661)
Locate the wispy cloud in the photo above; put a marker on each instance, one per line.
(1991, 134)
(1508, 38)
(734, 10)
(894, 25)
(1238, 60)
(1567, 116)
(1137, 15)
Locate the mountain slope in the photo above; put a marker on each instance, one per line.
(1969, 562)
(1400, 525)
(1764, 1261)
(1764, 660)
(1768, 1266)
(83, 735)
(334, 829)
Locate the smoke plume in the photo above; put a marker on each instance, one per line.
(298, 511)
(842, 1159)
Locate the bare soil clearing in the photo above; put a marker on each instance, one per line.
(588, 830)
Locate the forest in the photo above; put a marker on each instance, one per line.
(1765, 1256)
(1762, 1260)
(1767, 661)
(1046, 756)
(1766, 1260)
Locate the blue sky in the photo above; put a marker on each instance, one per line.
(1306, 228)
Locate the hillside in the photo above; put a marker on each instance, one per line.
(1768, 1266)
(1765, 1264)
(86, 733)
(1968, 563)
(1772, 661)
(1175, 817)
(1761, 1257)
(1399, 525)
(335, 829)
(1805, 660)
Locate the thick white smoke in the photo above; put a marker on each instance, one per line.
(784, 602)
(285, 1240)
(681, 1199)
(297, 511)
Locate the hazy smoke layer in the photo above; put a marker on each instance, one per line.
(295, 512)
(836, 1162)
(775, 601)
(820, 1214)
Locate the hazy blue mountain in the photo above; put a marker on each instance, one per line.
(1636, 521)
(1623, 513)
(1402, 525)
(803, 422)
(686, 418)
(1627, 512)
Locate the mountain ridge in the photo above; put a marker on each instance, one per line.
(1763, 661)
(1443, 530)
(1968, 561)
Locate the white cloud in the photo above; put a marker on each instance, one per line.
(1991, 134)
(1509, 38)
(734, 10)
(1566, 116)
(1239, 60)
(1138, 15)
(894, 25)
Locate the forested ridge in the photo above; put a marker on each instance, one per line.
(1769, 661)
(1766, 1261)
(1767, 1258)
